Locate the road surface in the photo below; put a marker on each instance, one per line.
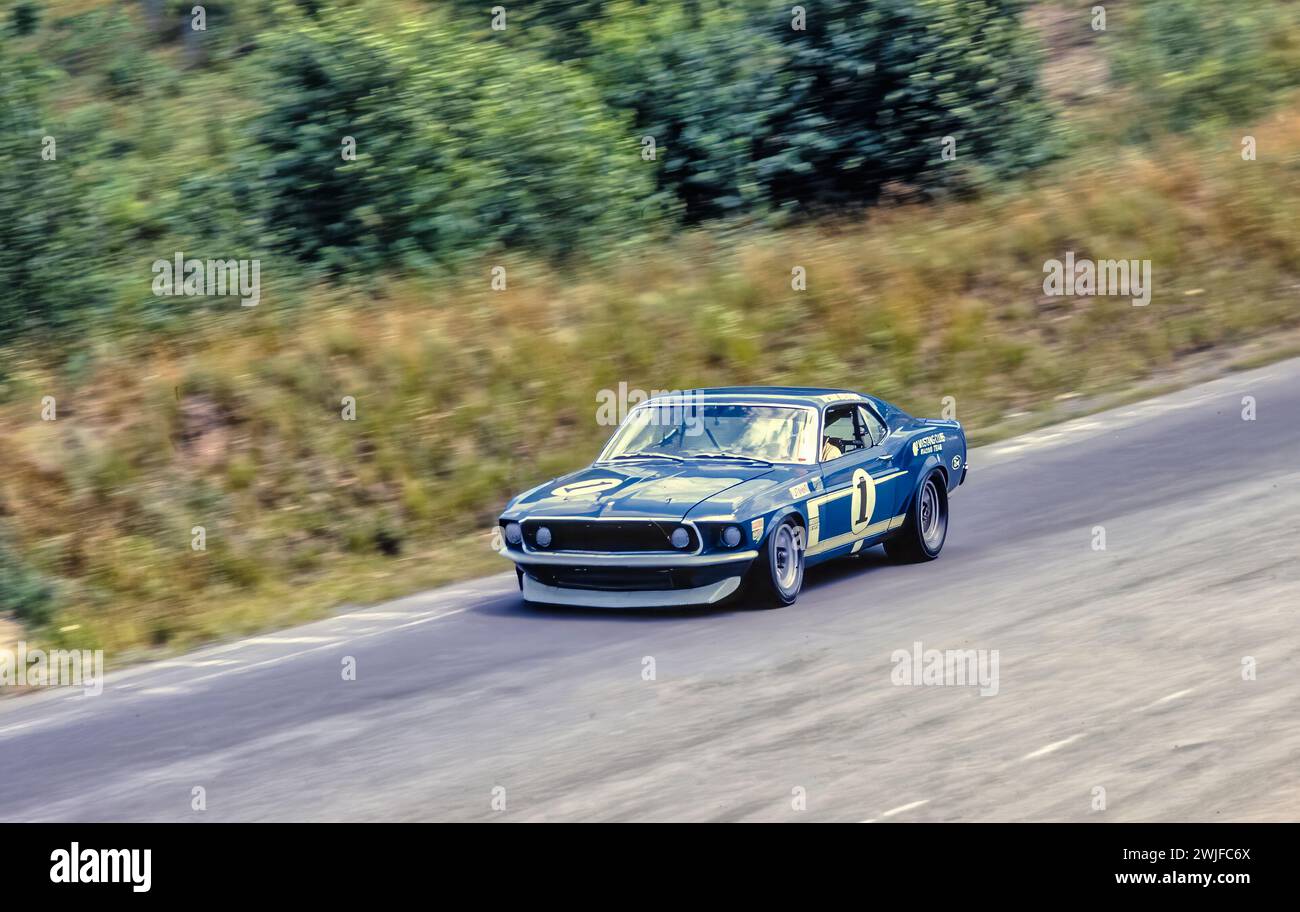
(1118, 670)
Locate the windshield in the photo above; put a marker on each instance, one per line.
(704, 431)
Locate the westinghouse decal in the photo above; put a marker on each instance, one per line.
(931, 444)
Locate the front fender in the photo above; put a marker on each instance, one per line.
(779, 516)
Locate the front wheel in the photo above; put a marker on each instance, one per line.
(926, 526)
(778, 572)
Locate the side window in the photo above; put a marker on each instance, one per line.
(841, 434)
(872, 424)
(839, 424)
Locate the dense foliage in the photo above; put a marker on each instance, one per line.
(469, 140)
(1202, 60)
(461, 147)
(531, 139)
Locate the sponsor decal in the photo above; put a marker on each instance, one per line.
(799, 490)
(956, 462)
(587, 488)
(756, 528)
(927, 445)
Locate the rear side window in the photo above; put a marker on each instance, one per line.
(872, 424)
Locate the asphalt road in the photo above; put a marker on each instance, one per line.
(1118, 670)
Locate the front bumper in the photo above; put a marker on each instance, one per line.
(627, 580)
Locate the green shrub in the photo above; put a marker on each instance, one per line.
(23, 591)
(751, 113)
(25, 17)
(1196, 60)
(462, 147)
(702, 83)
(869, 91)
(48, 250)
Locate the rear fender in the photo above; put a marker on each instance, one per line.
(938, 443)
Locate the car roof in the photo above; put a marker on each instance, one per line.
(776, 395)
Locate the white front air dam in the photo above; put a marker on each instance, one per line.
(658, 598)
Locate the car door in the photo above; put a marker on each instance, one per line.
(852, 508)
(889, 479)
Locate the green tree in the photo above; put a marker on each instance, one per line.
(1196, 60)
(756, 110)
(22, 590)
(462, 145)
(702, 82)
(25, 17)
(48, 251)
(554, 28)
(869, 91)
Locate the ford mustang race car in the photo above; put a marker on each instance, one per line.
(710, 494)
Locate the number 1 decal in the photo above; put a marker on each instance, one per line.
(864, 500)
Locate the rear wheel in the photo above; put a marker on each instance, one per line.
(926, 526)
(778, 572)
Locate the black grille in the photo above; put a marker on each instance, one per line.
(607, 536)
(609, 579)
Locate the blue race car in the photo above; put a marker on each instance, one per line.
(702, 495)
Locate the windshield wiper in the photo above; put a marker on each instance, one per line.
(721, 455)
(646, 454)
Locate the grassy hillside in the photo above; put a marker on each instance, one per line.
(465, 394)
(175, 413)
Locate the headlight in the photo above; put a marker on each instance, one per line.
(543, 537)
(731, 536)
(680, 537)
(514, 534)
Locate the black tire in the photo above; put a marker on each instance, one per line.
(911, 544)
(774, 583)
